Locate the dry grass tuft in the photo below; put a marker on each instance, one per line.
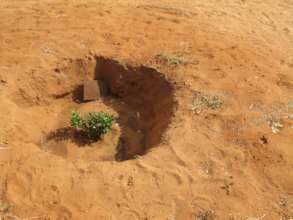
(203, 101)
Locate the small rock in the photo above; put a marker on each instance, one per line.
(93, 90)
(263, 140)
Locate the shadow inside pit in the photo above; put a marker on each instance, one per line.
(144, 100)
(69, 133)
(77, 94)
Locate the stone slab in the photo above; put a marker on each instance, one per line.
(94, 90)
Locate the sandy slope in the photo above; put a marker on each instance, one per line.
(215, 162)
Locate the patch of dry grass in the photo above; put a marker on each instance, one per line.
(202, 101)
(174, 60)
(205, 215)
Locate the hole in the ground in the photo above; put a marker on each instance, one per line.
(142, 99)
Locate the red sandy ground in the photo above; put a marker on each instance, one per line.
(214, 163)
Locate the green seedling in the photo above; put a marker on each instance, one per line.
(93, 124)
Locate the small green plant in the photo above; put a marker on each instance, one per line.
(94, 124)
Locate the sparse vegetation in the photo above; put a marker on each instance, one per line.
(286, 217)
(275, 124)
(202, 101)
(274, 115)
(94, 124)
(171, 60)
(204, 215)
(274, 119)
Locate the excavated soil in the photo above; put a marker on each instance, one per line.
(203, 96)
(140, 98)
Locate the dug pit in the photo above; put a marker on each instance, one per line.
(140, 97)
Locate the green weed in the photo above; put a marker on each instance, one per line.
(94, 124)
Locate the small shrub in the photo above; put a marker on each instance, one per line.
(94, 124)
(77, 121)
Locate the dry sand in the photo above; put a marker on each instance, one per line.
(185, 156)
